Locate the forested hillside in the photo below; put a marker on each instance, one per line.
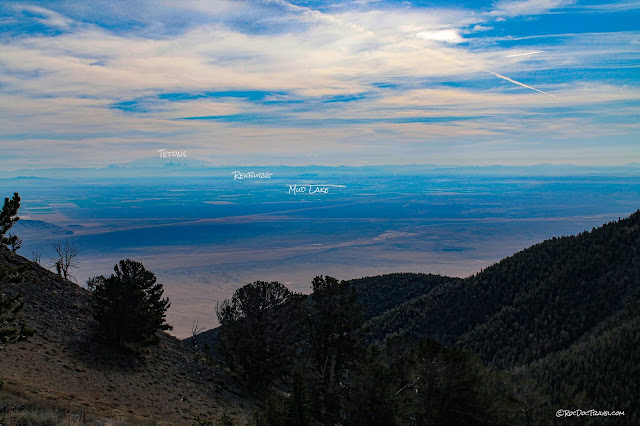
(601, 370)
(383, 292)
(565, 311)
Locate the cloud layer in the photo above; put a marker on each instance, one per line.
(269, 82)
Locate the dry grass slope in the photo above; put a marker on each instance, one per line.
(63, 376)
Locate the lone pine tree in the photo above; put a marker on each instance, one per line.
(128, 305)
(8, 217)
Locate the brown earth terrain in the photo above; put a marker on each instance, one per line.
(62, 368)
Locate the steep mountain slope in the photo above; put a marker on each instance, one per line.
(159, 384)
(566, 312)
(533, 303)
(556, 292)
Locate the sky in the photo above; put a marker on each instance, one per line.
(360, 82)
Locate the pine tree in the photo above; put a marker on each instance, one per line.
(11, 328)
(8, 217)
(128, 305)
(372, 391)
(258, 331)
(299, 402)
(334, 340)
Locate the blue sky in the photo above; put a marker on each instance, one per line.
(360, 82)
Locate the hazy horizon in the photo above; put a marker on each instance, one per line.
(205, 236)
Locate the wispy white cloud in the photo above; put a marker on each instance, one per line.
(511, 8)
(618, 6)
(479, 28)
(449, 36)
(45, 16)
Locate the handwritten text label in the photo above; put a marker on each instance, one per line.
(311, 189)
(164, 153)
(251, 175)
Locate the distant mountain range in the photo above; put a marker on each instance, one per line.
(161, 167)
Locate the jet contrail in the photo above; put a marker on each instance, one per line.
(524, 54)
(517, 82)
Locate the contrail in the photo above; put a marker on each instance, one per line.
(524, 54)
(517, 82)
